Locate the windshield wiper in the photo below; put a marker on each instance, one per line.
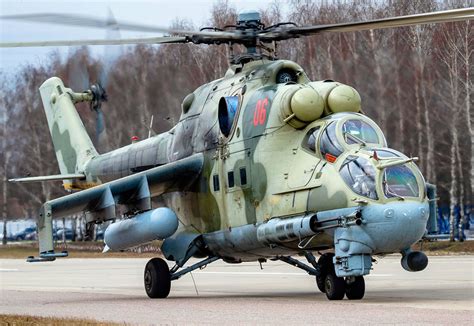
(355, 138)
(389, 192)
(386, 163)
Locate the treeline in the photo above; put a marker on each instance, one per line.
(415, 82)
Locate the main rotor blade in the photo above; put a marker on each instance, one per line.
(400, 21)
(149, 40)
(85, 21)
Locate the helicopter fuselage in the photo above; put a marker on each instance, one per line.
(259, 167)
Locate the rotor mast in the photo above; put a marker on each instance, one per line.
(249, 25)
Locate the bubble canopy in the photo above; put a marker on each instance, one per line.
(355, 146)
(340, 132)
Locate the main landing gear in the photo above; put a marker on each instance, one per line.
(326, 279)
(157, 277)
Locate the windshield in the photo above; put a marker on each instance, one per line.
(400, 181)
(358, 131)
(359, 174)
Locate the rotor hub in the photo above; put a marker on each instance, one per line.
(249, 19)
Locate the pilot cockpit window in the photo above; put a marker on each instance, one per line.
(359, 132)
(311, 139)
(359, 174)
(384, 153)
(399, 181)
(330, 147)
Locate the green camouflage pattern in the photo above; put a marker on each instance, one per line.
(260, 171)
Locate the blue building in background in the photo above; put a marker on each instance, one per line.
(467, 223)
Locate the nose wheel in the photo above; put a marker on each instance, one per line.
(336, 287)
(157, 278)
(326, 267)
(355, 290)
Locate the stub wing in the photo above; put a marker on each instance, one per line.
(99, 203)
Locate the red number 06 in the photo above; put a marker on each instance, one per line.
(260, 113)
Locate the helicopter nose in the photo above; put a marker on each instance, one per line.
(395, 226)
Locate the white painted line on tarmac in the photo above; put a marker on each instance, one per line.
(8, 269)
(250, 273)
(273, 273)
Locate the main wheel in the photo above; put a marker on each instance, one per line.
(326, 267)
(356, 289)
(335, 287)
(157, 278)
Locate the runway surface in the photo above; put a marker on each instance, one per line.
(112, 290)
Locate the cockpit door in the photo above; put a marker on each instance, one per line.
(305, 163)
(302, 169)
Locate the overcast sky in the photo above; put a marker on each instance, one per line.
(151, 12)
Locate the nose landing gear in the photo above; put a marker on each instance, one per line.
(355, 289)
(336, 287)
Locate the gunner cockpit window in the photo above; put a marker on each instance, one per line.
(359, 174)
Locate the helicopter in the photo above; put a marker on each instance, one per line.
(263, 164)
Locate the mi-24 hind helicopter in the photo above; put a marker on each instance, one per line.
(263, 164)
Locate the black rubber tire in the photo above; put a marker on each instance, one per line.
(356, 289)
(157, 278)
(335, 287)
(327, 266)
(320, 283)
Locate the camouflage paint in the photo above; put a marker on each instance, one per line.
(260, 140)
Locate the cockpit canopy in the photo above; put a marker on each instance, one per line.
(362, 146)
(340, 132)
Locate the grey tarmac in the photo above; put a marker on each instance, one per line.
(112, 290)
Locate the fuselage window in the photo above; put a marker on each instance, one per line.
(228, 107)
(230, 179)
(243, 176)
(215, 181)
(330, 147)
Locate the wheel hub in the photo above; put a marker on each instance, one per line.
(148, 281)
(328, 285)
